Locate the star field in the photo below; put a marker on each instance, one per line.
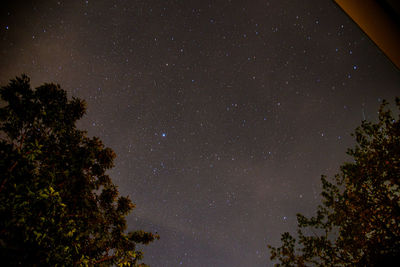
(223, 114)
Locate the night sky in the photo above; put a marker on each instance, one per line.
(223, 114)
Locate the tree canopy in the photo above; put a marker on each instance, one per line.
(57, 204)
(358, 222)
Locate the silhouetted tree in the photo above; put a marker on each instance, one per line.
(57, 205)
(358, 223)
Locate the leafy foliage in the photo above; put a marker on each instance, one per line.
(358, 223)
(57, 204)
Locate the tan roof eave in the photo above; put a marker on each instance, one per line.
(379, 26)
